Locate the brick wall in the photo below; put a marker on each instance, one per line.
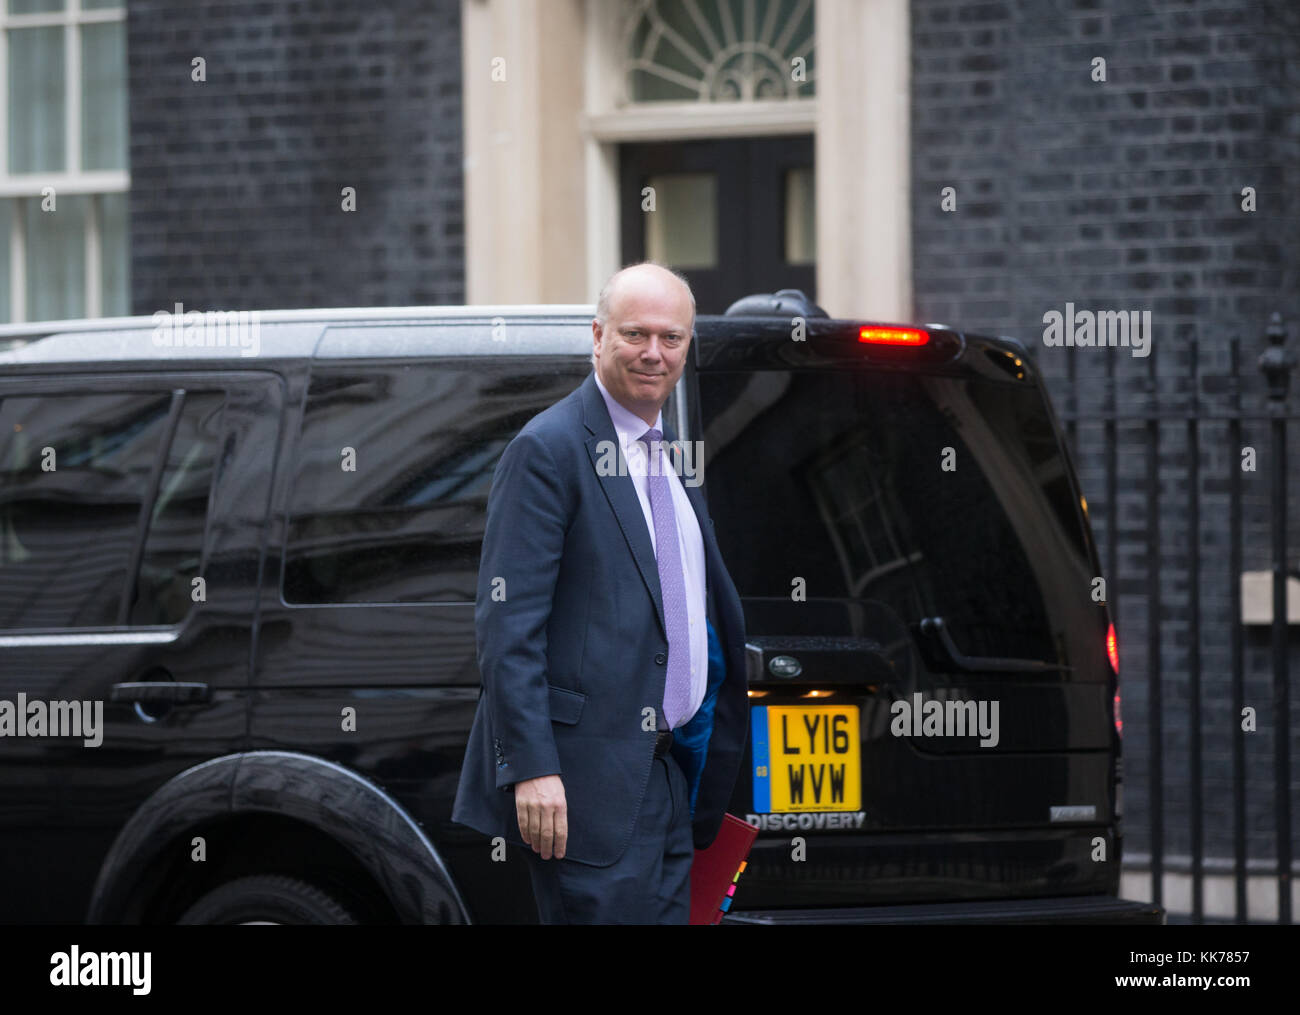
(1126, 195)
(236, 182)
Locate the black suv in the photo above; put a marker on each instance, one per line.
(237, 657)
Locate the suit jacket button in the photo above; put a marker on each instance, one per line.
(661, 658)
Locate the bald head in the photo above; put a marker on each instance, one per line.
(639, 278)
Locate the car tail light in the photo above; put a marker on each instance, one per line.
(1112, 652)
(893, 336)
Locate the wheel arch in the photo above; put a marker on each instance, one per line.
(325, 796)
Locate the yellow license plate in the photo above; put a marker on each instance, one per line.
(806, 758)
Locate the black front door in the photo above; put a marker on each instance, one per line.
(734, 216)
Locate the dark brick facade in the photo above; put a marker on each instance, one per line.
(236, 182)
(1126, 195)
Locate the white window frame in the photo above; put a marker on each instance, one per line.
(611, 117)
(23, 187)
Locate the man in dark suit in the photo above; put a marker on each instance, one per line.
(613, 716)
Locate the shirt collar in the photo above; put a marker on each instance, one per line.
(627, 424)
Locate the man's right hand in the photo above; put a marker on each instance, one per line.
(543, 815)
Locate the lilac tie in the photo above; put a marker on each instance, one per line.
(677, 689)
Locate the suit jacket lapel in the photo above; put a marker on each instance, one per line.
(604, 450)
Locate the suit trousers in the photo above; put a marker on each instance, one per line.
(649, 883)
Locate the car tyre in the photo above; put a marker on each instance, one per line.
(267, 898)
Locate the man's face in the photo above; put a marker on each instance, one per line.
(641, 349)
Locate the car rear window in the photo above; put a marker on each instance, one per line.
(843, 478)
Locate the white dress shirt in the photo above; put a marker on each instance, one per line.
(629, 427)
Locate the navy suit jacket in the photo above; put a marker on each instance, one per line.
(572, 644)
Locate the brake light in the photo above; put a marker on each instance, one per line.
(893, 336)
(1112, 653)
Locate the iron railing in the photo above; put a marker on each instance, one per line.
(1127, 418)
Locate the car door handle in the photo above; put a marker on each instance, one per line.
(174, 692)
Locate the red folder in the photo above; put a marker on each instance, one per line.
(716, 870)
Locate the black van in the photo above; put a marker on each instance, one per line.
(238, 560)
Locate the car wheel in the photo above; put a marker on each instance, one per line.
(266, 898)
